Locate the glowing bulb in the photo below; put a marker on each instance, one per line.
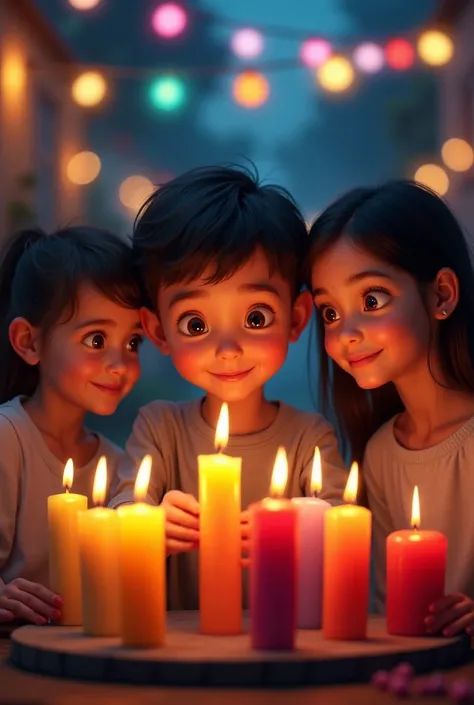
(435, 48)
(247, 43)
(434, 177)
(169, 20)
(89, 89)
(399, 54)
(314, 52)
(457, 154)
(280, 474)
(83, 168)
(143, 479)
(251, 89)
(84, 4)
(369, 57)
(167, 93)
(336, 74)
(134, 191)
(222, 429)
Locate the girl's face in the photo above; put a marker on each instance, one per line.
(91, 361)
(376, 325)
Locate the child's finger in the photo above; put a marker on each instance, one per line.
(175, 546)
(186, 502)
(6, 616)
(181, 533)
(41, 592)
(181, 518)
(445, 603)
(21, 611)
(436, 623)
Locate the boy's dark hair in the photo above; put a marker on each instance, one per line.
(216, 217)
(39, 280)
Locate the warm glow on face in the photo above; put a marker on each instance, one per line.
(280, 474)
(316, 473)
(350, 493)
(143, 478)
(222, 428)
(68, 475)
(415, 509)
(100, 482)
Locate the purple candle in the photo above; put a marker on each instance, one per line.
(274, 534)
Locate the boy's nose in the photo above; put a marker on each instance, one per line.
(229, 350)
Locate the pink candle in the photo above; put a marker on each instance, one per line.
(274, 526)
(311, 512)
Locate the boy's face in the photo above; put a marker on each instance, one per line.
(232, 337)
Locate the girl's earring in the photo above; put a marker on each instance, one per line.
(444, 313)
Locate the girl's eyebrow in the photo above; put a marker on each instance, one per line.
(97, 322)
(356, 278)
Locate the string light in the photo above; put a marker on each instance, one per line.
(169, 20)
(336, 74)
(399, 54)
(83, 168)
(84, 4)
(168, 93)
(251, 89)
(369, 57)
(435, 48)
(247, 43)
(457, 154)
(434, 177)
(314, 52)
(89, 89)
(134, 191)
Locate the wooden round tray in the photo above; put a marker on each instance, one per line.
(192, 659)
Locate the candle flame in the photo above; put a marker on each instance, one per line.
(280, 474)
(316, 473)
(100, 482)
(222, 428)
(68, 475)
(350, 493)
(415, 509)
(143, 478)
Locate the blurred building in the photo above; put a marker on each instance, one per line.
(457, 100)
(40, 126)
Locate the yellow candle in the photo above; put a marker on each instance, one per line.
(142, 559)
(64, 564)
(346, 571)
(220, 571)
(99, 543)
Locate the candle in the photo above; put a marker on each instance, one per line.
(142, 558)
(273, 568)
(98, 539)
(64, 564)
(311, 512)
(416, 573)
(220, 551)
(346, 571)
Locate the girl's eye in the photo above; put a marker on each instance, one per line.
(329, 315)
(260, 317)
(192, 325)
(95, 341)
(134, 343)
(375, 300)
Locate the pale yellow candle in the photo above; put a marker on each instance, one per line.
(142, 558)
(64, 564)
(220, 550)
(99, 546)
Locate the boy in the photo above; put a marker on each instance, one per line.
(219, 256)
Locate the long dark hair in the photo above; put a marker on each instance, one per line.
(39, 280)
(408, 226)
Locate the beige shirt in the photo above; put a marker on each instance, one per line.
(444, 474)
(175, 434)
(29, 473)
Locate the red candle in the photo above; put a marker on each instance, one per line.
(416, 573)
(274, 524)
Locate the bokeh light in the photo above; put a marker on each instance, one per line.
(247, 43)
(434, 177)
(314, 52)
(169, 20)
(14, 72)
(336, 74)
(84, 4)
(251, 89)
(83, 168)
(134, 191)
(89, 89)
(457, 154)
(168, 93)
(369, 57)
(399, 54)
(435, 48)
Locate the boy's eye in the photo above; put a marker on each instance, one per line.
(375, 300)
(95, 340)
(134, 343)
(260, 317)
(329, 314)
(192, 325)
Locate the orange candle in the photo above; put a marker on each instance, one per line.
(142, 559)
(220, 571)
(64, 563)
(346, 574)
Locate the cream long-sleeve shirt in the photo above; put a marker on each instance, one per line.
(444, 474)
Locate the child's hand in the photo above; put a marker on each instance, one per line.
(182, 521)
(451, 615)
(22, 599)
(245, 535)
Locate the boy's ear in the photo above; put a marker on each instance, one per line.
(300, 315)
(154, 330)
(25, 340)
